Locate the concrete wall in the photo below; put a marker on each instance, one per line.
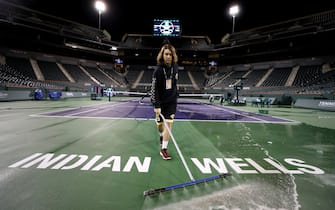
(20, 95)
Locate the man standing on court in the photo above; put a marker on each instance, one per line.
(164, 94)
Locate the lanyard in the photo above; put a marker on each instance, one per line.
(171, 75)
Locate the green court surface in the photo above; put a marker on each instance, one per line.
(107, 163)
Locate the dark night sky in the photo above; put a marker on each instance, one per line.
(209, 18)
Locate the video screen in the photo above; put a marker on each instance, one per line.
(167, 27)
(212, 63)
(118, 61)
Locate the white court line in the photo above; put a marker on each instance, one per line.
(178, 150)
(255, 118)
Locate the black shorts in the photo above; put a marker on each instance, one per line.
(168, 111)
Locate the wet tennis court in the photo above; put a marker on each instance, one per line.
(85, 154)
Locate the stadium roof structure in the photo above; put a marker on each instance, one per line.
(295, 38)
(26, 29)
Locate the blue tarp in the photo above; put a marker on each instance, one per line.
(38, 94)
(54, 94)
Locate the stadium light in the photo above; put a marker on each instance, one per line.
(233, 11)
(101, 7)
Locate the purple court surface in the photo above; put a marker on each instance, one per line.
(186, 110)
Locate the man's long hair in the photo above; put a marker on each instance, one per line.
(172, 49)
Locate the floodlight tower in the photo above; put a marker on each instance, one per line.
(101, 7)
(233, 11)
